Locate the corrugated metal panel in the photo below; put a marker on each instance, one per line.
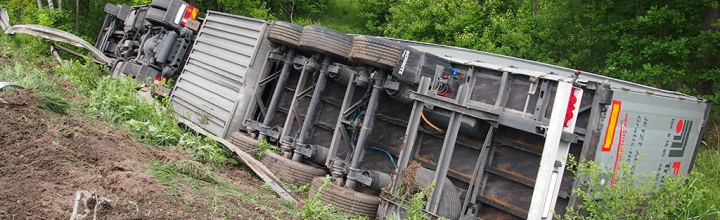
(207, 92)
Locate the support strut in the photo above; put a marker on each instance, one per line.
(366, 129)
(275, 100)
(313, 109)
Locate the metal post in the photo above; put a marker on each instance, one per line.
(313, 108)
(292, 117)
(445, 157)
(275, 99)
(366, 129)
(555, 150)
(347, 102)
(478, 174)
(408, 144)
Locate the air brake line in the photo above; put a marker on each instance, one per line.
(429, 123)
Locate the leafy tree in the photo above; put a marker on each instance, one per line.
(376, 13)
(291, 9)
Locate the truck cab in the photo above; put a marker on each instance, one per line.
(148, 42)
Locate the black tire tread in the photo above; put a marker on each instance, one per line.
(375, 52)
(290, 171)
(345, 200)
(112, 9)
(244, 142)
(450, 204)
(161, 4)
(325, 40)
(283, 32)
(157, 16)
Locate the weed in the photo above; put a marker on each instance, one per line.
(632, 195)
(168, 171)
(185, 174)
(314, 209)
(54, 104)
(707, 174)
(416, 207)
(298, 189)
(265, 146)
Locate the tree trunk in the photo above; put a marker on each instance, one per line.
(39, 4)
(710, 17)
(519, 5)
(534, 7)
(51, 5)
(77, 16)
(59, 5)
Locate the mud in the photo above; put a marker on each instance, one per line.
(46, 158)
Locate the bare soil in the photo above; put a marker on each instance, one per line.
(46, 158)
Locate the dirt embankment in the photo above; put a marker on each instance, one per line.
(46, 158)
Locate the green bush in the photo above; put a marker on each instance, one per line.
(632, 195)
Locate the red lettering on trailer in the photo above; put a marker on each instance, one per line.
(618, 155)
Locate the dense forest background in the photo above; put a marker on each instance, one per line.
(667, 44)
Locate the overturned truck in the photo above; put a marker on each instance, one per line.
(385, 117)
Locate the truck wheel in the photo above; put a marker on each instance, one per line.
(449, 204)
(157, 16)
(244, 142)
(112, 9)
(325, 40)
(290, 171)
(375, 51)
(283, 32)
(345, 200)
(161, 4)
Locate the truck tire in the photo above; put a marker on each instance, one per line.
(112, 9)
(161, 4)
(345, 200)
(325, 40)
(157, 16)
(290, 171)
(286, 33)
(244, 142)
(375, 51)
(449, 204)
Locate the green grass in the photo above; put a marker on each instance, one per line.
(191, 177)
